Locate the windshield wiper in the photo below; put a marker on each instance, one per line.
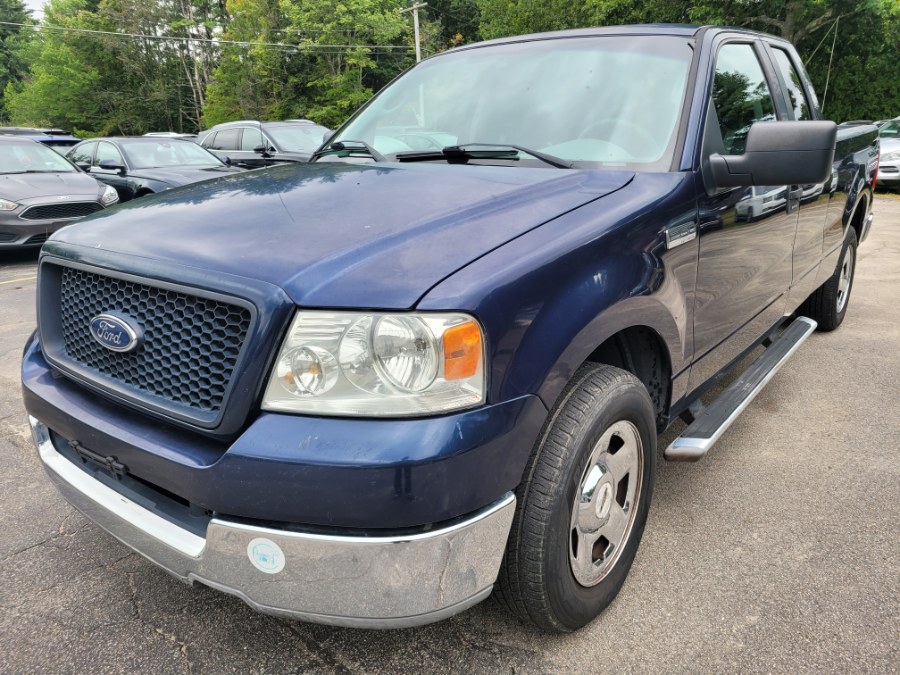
(348, 147)
(491, 151)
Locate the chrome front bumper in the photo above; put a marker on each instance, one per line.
(361, 581)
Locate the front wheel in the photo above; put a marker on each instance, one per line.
(582, 507)
(828, 303)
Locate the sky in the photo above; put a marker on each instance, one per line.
(35, 5)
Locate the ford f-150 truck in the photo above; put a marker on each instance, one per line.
(434, 361)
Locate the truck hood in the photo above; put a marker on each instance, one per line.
(18, 186)
(343, 235)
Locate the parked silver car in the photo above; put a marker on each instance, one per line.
(40, 192)
(889, 167)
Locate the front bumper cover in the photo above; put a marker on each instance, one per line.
(361, 581)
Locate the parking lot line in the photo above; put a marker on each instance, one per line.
(12, 281)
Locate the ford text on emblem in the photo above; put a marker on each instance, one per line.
(116, 333)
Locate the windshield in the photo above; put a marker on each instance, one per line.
(890, 130)
(297, 138)
(150, 154)
(608, 101)
(31, 157)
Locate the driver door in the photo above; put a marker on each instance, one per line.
(746, 233)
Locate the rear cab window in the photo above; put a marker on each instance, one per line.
(793, 87)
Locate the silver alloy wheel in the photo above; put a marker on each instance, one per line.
(844, 280)
(605, 503)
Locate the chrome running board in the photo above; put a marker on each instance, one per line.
(696, 440)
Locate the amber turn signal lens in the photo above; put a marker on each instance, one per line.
(462, 351)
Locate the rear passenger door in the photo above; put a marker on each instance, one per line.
(813, 197)
(746, 233)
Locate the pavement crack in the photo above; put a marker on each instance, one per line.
(327, 656)
(48, 540)
(171, 637)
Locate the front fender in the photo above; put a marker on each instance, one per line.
(551, 297)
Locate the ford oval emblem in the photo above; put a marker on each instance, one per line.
(116, 333)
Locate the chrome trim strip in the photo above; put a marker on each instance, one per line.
(160, 529)
(687, 449)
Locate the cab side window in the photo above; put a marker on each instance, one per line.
(798, 101)
(741, 95)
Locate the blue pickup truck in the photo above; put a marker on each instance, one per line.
(434, 361)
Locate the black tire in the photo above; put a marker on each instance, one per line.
(827, 306)
(537, 580)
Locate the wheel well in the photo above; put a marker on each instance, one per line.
(859, 216)
(642, 352)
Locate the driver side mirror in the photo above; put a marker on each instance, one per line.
(264, 150)
(111, 165)
(779, 153)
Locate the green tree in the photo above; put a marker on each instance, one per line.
(346, 51)
(250, 82)
(60, 87)
(12, 63)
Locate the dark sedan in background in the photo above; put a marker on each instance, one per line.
(57, 139)
(135, 167)
(256, 144)
(40, 192)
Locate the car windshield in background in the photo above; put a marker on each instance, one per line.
(148, 154)
(612, 101)
(31, 157)
(297, 137)
(890, 130)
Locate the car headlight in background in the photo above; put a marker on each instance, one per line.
(378, 365)
(110, 196)
(7, 205)
(891, 156)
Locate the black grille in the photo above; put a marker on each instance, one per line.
(37, 239)
(190, 346)
(58, 211)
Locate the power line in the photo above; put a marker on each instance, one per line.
(241, 43)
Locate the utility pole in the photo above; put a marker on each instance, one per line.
(415, 10)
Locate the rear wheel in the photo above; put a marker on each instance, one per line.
(582, 509)
(828, 304)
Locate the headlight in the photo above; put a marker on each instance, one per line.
(110, 196)
(378, 365)
(891, 156)
(7, 205)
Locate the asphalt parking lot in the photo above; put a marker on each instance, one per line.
(779, 552)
